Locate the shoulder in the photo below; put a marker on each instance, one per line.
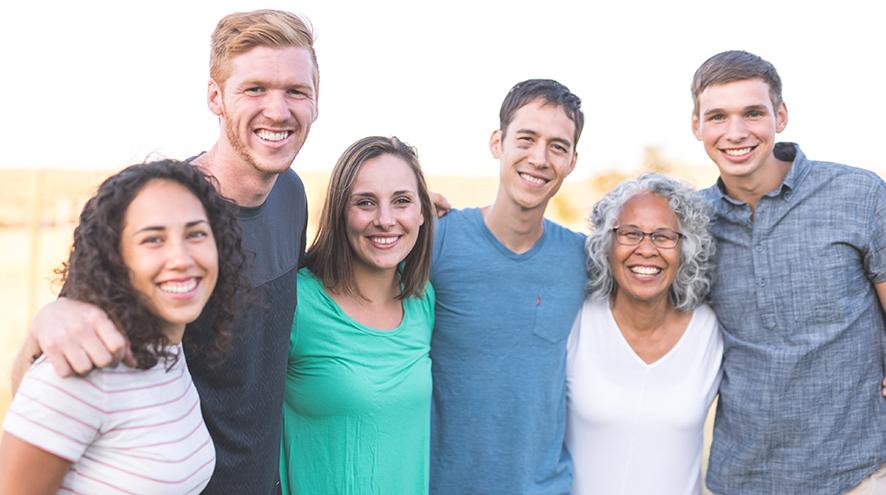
(288, 193)
(710, 193)
(307, 281)
(846, 177)
(565, 237)
(459, 216)
(289, 180)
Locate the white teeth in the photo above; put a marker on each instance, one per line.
(535, 180)
(645, 270)
(383, 240)
(271, 135)
(738, 152)
(179, 287)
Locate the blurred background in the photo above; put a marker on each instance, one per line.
(89, 87)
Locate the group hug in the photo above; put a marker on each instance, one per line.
(201, 343)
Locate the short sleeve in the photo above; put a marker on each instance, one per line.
(875, 257)
(62, 416)
(440, 227)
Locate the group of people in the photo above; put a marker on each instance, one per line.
(200, 345)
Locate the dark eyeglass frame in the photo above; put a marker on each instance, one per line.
(659, 238)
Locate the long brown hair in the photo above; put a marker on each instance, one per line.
(331, 257)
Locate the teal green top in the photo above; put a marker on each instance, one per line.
(357, 406)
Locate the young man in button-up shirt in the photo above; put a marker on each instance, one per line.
(799, 290)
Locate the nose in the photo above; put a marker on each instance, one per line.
(384, 217)
(276, 107)
(178, 254)
(736, 130)
(646, 247)
(538, 154)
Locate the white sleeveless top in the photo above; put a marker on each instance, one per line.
(125, 430)
(634, 427)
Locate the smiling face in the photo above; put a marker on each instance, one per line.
(737, 124)
(266, 106)
(384, 214)
(536, 153)
(168, 247)
(645, 272)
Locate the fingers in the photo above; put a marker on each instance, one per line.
(77, 337)
(441, 204)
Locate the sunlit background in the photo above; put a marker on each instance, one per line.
(88, 87)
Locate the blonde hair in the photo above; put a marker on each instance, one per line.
(242, 31)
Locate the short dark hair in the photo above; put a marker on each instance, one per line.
(95, 271)
(551, 92)
(735, 65)
(330, 256)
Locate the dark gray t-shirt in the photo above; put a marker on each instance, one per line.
(242, 400)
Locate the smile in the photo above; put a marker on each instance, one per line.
(739, 151)
(533, 179)
(383, 241)
(645, 270)
(272, 136)
(178, 286)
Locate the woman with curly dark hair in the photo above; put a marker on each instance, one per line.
(154, 246)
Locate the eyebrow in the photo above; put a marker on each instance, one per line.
(372, 195)
(151, 228)
(745, 109)
(555, 139)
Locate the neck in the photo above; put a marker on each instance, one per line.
(515, 227)
(644, 317)
(238, 180)
(375, 287)
(174, 333)
(753, 187)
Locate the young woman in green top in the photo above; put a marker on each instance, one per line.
(356, 414)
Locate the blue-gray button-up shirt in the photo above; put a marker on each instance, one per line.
(800, 408)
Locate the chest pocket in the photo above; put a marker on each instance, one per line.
(554, 314)
(819, 288)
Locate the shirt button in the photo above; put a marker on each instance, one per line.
(787, 195)
(758, 248)
(762, 282)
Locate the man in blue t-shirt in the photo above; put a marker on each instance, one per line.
(509, 284)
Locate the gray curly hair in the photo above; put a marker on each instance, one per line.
(693, 281)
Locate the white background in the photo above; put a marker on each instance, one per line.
(101, 85)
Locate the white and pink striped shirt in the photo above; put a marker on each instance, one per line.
(125, 430)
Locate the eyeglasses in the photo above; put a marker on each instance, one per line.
(662, 238)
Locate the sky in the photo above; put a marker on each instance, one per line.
(100, 85)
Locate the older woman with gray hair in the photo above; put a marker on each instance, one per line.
(644, 355)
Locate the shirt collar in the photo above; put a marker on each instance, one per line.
(799, 168)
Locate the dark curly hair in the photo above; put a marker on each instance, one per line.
(95, 272)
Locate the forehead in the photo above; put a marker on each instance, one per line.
(647, 210)
(385, 173)
(543, 118)
(162, 202)
(284, 65)
(743, 93)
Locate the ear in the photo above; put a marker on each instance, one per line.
(573, 162)
(696, 126)
(214, 98)
(495, 144)
(781, 117)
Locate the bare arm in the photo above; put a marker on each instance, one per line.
(28, 470)
(75, 336)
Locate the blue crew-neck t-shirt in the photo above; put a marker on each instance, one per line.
(498, 358)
